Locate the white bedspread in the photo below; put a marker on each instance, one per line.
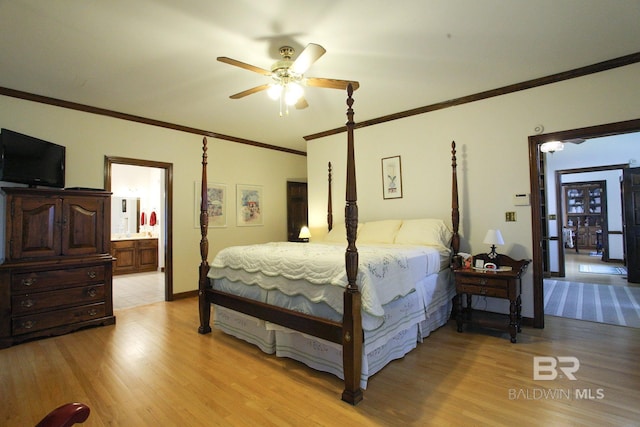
(385, 272)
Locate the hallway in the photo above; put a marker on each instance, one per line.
(603, 298)
(572, 270)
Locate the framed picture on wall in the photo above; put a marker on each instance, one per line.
(249, 205)
(391, 178)
(216, 204)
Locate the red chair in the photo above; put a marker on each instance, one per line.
(66, 415)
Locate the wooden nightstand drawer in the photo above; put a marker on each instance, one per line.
(485, 281)
(494, 290)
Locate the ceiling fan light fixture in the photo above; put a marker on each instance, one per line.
(274, 91)
(552, 146)
(292, 93)
(287, 77)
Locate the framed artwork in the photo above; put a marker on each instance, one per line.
(391, 178)
(216, 204)
(249, 205)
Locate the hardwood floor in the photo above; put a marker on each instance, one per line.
(572, 263)
(153, 369)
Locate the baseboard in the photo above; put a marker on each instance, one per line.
(183, 295)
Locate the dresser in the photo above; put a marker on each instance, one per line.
(503, 282)
(57, 271)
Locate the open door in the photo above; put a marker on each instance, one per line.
(631, 197)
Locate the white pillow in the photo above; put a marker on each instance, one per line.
(379, 231)
(338, 233)
(425, 232)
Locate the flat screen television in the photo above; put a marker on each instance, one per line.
(28, 160)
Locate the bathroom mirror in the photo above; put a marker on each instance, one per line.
(125, 217)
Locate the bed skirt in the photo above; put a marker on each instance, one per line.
(408, 321)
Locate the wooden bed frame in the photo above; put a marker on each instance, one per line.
(349, 332)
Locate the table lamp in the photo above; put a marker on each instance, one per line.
(305, 234)
(493, 238)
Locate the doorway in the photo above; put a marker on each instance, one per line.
(297, 210)
(542, 243)
(166, 213)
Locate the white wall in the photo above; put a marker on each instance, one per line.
(90, 137)
(493, 161)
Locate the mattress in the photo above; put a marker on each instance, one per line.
(311, 278)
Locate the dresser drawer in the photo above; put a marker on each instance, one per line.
(148, 243)
(36, 302)
(51, 319)
(55, 279)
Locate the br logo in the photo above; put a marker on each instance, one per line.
(545, 368)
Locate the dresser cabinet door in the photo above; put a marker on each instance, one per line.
(83, 219)
(35, 227)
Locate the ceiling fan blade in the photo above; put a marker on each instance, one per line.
(250, 91)
(302, 103)
(330, 83)
(244, 65)
(307, 57)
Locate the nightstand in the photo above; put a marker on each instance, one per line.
(505, 282)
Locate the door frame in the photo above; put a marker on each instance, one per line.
(168, 221)
(539, 219)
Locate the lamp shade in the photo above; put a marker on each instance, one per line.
(304, 233)
(493, 237)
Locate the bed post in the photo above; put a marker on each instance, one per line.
(203, 300)
(455, 212)
(329, 203)
(352, 321)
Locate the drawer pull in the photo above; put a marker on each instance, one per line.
(91, 274)
(483, 291)
(483, 281)
(92, 312)
(30, 281)
(92, 292)
(28, 324)
(27, 303)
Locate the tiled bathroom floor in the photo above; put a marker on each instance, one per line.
(132, 290)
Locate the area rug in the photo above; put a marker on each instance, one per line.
(616, 305)
(602, 269)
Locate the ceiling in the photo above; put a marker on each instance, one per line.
(157, 58)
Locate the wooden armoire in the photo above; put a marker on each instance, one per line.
(57, 271)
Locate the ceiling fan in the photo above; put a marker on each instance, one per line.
(287, 76)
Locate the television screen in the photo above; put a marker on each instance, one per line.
(28, 160)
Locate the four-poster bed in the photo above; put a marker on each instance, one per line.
(414, 300)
